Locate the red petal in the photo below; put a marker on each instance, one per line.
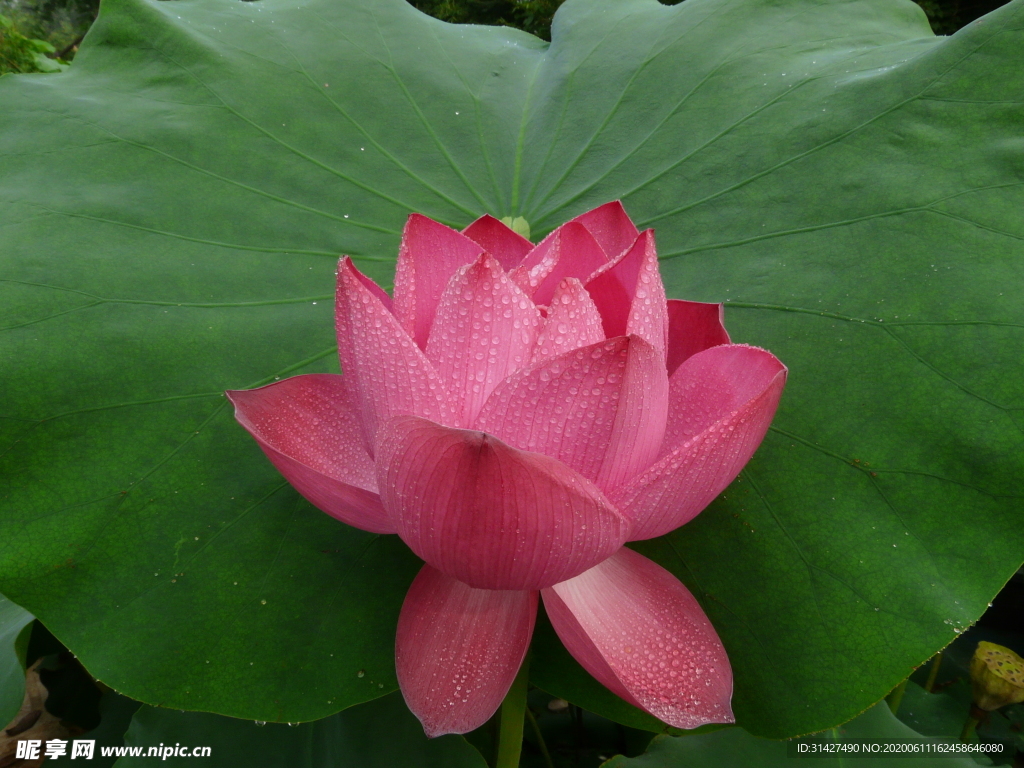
(611, 227)
(640, 632)
(429, 255)
(386, 372)
(630, 295)
(458, 650)
(572, 322)
(693, 326)
(721, 402)
(484, 330)
(600, 409)
(487, 514)
(307, 427)
(502, 243)
(569, 251)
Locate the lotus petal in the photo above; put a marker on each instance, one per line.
(485, 329)
(309, 429)
(693, 326)
(599, 409)
(507, 246)
(630, 295)
(611, 227)
(721, 402)
(569, 251)
(640, 632)
(387, 373)
(458, 649)
(429, 254)
(490, 515)
(572, 322)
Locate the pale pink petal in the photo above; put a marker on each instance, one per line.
(630, 295)
(428, 256)
(502, 243)
(721, 403)
(487, 514)
(573, 252)
(485, 329)
(693, 326)
(600, 409)
(309, 430)
(573, 321)
(611, 227)
(640, 632)
(385, 371)
(458, 649)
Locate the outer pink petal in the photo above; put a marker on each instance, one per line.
(611, 227)
(630, 295)
(485, 329)
(693, 326)
(429, 255)
(307, 427)
(386, 372)
(641, 633)
(458, 650)
(600, 409)
(502, 243)
(487, 514)
(573, 321)
(721, 403)
(569, 251)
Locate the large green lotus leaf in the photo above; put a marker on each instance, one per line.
(735, 748)
(171, 209)
(13, 620)
(380, 734)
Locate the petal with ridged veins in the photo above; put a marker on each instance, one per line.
(693, 326)
(630, 295)
(572, 322)
(640, 633)
(458, 649)
(428, 256)
(721, 402)
(502, 243)
(600, 409)
(385, 371)
(611, 227)
(309, 430)
(490, 515)
(485, 329)
(569, 251)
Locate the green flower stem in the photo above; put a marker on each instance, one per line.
(896, 696)
(933, 672)
(540, 738)
(968, 732)
(513, 712)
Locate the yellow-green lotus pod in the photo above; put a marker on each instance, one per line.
(997, 676)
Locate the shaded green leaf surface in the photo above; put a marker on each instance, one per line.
(849, 183)
(735, 748)
(13, 619)
(380, 734)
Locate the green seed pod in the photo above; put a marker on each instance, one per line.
(997, 676)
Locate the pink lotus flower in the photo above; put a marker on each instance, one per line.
(517, 413)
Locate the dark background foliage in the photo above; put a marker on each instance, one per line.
(63, 23)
